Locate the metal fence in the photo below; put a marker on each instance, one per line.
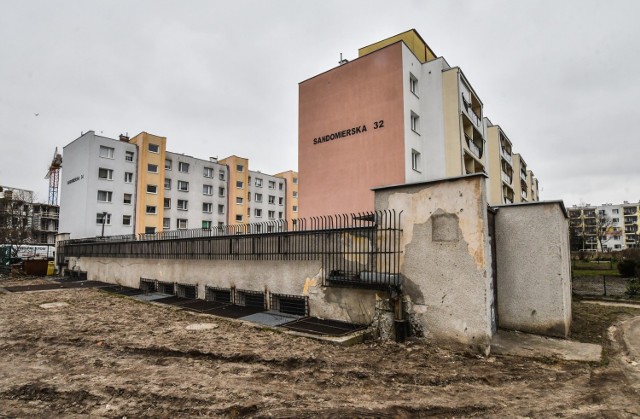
(355, 249)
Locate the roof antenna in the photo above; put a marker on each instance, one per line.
(342, 60)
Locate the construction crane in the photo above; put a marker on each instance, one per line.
(54, 177)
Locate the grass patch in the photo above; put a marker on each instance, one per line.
(584, 268)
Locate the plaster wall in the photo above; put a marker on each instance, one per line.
(446, 264)
(533, 268)
(281, 277)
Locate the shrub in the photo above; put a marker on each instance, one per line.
(633, 288)
(627, 268)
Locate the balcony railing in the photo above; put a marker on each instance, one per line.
(630, 220)
(506, 178)
(630, 211)
(473, 147)
(506, 155)
(523, 175)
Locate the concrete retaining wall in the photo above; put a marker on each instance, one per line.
(281, 277)
(534, 268)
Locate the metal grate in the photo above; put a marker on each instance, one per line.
(290, 304)
(166, 287)
(148, 285)
(187, 291)
(222, 295)
(248, 298)
(317, 326)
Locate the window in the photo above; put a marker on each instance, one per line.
(415, 119)
(295, 194)
(104, 196)
(207, 207)
(208, 172)
(239, 184)
(183, 204)
(281, 186)
(295, 208)
(221, 175)
(166, 223)
(259, 182)
(106, 152)
(272, 199)
(295, 180)
(221, 191)
(239, 217)
(615, 220)
(183, 185)
(249, 196)
(183, 167)
(206, 224)
(127, 199)
(126, 220)
(149, 230)
(105, 174)
(207, 190)
(103, 218)
(272, 215)
(258, 197)
(415, 160)
(182, 224)
(152, 189)
(279, 214)
(220, 209)
(154, 148)
(128, 155)
(239, 168)
(413, 84)
(153, 168)
(280, 201)
(151, 209)
(615, 211)
(167, 183)
(239, 200)
(128, 177)
(258, 213)
(272, 184)
(167, 164)
(167, 203)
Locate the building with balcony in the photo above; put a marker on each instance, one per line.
(35, 223)
(604, 228)
(135, 186)
(397, 114)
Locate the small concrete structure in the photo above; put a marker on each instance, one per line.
(533, 268)
(447, 257)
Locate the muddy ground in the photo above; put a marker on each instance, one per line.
(109, 356)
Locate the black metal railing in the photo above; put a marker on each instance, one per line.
(355, 249)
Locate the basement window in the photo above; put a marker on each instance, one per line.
(247, 298)
(221, 295)
(291, 304)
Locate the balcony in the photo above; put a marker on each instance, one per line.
(631, 229)
(471, 112)
(631, 220)
(590, 214)
(630, 210)
(506, 178)
(477, 151)
(523, 175)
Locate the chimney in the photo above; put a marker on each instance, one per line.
(124, 138)
(213, 159)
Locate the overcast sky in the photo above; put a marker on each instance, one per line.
(562, 78)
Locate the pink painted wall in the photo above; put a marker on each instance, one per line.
(336, 176)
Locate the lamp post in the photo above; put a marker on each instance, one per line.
(104, 220)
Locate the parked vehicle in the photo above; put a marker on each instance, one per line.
(11, 254)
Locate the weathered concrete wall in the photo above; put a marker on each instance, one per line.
(446, 263)
(533, 268)
(281, 277)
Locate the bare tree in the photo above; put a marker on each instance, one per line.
(604, 228)
(16, 219)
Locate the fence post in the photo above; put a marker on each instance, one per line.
(604, 283)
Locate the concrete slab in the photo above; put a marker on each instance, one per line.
(151, 296)
(613, 304)
(533, 346)
(270, 318)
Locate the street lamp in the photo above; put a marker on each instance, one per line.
(104, 220)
